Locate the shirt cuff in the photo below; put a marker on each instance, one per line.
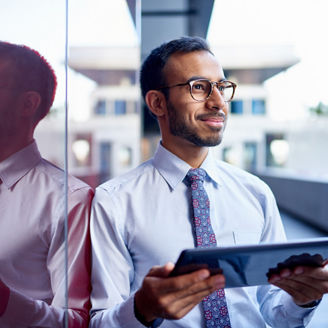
(154, 324)
(297, 311)
(126, 316)
(311, 304)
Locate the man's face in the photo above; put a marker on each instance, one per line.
(8, 101)
(199, 123)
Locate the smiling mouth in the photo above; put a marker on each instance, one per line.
(213, 120)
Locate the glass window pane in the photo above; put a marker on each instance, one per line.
(120, 107)
(258, 106)
(236, 107)
(100, 108)
(33, 211)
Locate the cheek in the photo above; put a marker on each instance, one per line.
(185, 110)
(192, 110)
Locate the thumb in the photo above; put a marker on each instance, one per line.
(161, 271)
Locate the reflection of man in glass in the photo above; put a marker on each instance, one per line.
(32, 206)
(144, 218)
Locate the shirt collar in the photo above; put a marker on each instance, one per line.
(173, 169)
(17, 165)
(211, 167)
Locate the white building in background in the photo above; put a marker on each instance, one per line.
(107, 142)
(113, 130)
(251, 134)
(308, 148)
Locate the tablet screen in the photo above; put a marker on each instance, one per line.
(252, 265)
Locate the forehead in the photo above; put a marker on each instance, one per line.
(180, 67)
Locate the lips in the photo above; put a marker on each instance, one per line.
(213, 120)
(220, 116)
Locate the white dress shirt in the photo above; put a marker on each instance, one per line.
(32, 208)
(143, 218)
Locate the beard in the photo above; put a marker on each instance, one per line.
(179, 128)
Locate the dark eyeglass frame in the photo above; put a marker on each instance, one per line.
(212, 83)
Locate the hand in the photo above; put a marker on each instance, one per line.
(161, 296)
(304, 284)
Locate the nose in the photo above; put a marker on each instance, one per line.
(216, 100)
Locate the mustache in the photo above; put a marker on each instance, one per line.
(219, 114)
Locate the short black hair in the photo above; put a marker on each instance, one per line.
(151, 74)
(31, 72)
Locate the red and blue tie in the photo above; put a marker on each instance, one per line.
(215, 305)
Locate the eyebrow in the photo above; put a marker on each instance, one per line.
(193, 78)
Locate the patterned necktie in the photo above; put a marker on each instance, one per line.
(214, 306)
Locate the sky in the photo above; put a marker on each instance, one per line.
(301, 23)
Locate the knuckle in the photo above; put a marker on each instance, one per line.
(318, 296)
(171, 313)
(325, 289)
(179, 284)
(303, 300)
(161, 304)
(166, 312)
(175, 316)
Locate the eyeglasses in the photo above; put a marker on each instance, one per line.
(201, 89)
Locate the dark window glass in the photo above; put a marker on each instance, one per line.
(250, 154)
(105, 161)
(120, 107)
(277, 150)
(258, 106)
(100, 108)
(237, 107)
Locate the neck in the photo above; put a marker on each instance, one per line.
(10, 147)
(188, 152)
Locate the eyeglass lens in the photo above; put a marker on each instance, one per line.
(201, 89)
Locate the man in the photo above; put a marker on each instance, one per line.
(32, 207)
(144, 219)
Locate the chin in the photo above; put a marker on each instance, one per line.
(205, 142)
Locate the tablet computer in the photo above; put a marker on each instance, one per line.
(251, 265)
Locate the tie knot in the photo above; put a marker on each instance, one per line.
(196, 175)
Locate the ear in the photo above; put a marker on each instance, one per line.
(156, 102)
(30, 103)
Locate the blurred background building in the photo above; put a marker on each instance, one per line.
(280, 138)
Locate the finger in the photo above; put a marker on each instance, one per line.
(301, 292)
(208, 285)
(161, 271)
(180, 308)
(313, 278)
(196, 292)
(168, 289)
(183, 282)
(182, 303)
(300, 297)
(312, 284)
(303, 273)
(283, 274)
(301, 282)
(170, 297)
(320, 273)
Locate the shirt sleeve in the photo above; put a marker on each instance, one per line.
(23, 311)
(277, 307)
(112, 266)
